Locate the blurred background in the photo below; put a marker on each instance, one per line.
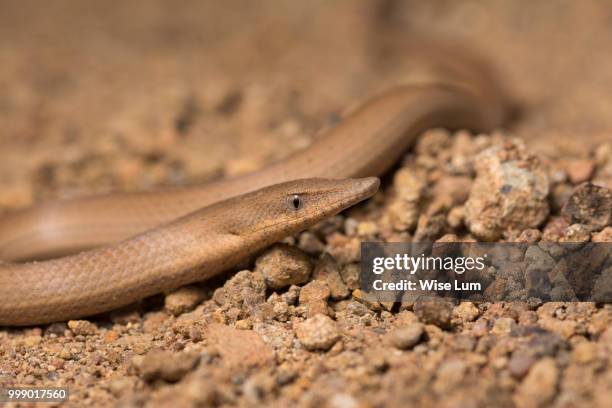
(127, 94)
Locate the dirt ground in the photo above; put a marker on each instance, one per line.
(129, 95)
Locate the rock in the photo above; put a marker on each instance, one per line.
(239, 349)
(603, 154)
(559, 195)
(292, 295)
(480, 328)
(122, 386)
(580, 170)
(245, 287)
(404, 209)
(314, 296)
(165, 365)
(584, 352)
(258, 386)
(546, 344)
(350, 226)
(351, 276)
(32, 341)
(184, 299)
(450, 191)
(432, 310)
(539, 264)
(455, 217)
(357, 309)
(125, 315)
(344, 249)
(503, 325)
(343, 400)
(529, 236)
(317, 333)
(554, 229)
(368, 299)
(450, 373)
(309, 243)
(564, 328)
(590, 205)
(111, 336)
(154, 321)
(446, 238)
(314, 291)
(509, 193)
(283, 265)
(432, 141)
(327, 270)
(280, 311)
(367, 229)
(430, 228)
(602, 291)
(466, 312)
(464, 148)
(539, 387)
(57, 329)
(605, 235)
(65, 354)
(463, 342)
(519, 364)
(82, 327)
(243, 324)
(576, 233)
(404, 338)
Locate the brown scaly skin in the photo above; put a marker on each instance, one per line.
(191, 248)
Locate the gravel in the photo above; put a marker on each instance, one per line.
(317, 333)
(284, 265)
(509, 193)
(184, 299)
(405, 338)
(590, 205)
(431, 310)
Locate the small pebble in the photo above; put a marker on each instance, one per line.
(432, 310)
(317, 333)
(165, 365)
(540, 385)
(314, 297)
(503, 325)
(584, 352)
(309, 243)
(405, 338)
(590, 205)
(184, 299)
(314, 291)
(576, 233)
(519, 364)
(327, 269)
(466, 312)
(283, 265)
(580, 170)
(404, 209)
(82, 327)
(510, 192)
(605, 235)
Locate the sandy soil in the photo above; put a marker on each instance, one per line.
(130, 95)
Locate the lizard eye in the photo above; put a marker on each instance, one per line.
(295, 202)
